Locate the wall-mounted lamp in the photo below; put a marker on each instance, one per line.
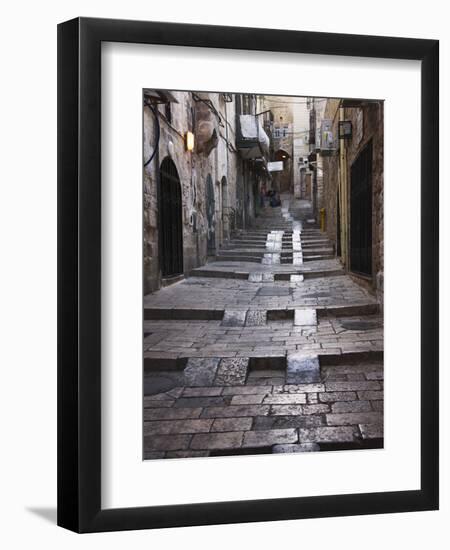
(189, 141)
(345, 129)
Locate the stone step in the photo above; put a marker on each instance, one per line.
(319, 257)
(318, 251)
(239, 258)
(284, 276)
(185, 314)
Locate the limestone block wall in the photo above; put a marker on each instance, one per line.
(219, 161)
(367, 123)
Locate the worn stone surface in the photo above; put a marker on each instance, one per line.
(274, 291)
(286, 422)
(371, 431)
(235, 411)
(265, 438)
(268, 277)
(219, 440)
(234, 318)
(296, 448)
(250, 399)
(317, 408)
(232, 424)
(201, 371)
(202, 392)
(171, 414)
(177, 426)
(351, 407)
(232, 371)
(286, 410)
(346, 419)
(302, 369)
(328, 397)
(166, 442)
(256, 318)
(352, 385)
(328, 434)
(285, 399)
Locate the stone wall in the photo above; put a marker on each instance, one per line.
(330, 178)
(216, 158)
(236, 182)
(367, 126)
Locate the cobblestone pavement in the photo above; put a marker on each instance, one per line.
(268, 356)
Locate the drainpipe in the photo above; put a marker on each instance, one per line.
(227, 191)
(343, 195)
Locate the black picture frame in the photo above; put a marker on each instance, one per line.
(79, 274)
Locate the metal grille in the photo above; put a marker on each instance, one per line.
(361, 213)
(170, 220)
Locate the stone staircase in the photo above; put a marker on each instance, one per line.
(251, 245)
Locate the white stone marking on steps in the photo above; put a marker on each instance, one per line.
(270, 259)
(297, 254)
(305, 317)
(255, 277)
(297, 258)
(274, 243)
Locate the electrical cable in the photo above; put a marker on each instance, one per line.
(158, 131)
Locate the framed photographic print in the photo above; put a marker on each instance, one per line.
(248, 275)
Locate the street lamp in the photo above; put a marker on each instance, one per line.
(189, 141)
(345, 129)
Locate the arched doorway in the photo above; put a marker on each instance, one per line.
(210, 216)
(171, 231)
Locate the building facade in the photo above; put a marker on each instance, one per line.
(205, 167)
(350, 151)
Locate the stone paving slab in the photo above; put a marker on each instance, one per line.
(256, 318)
(215, 419)
(201, 371)
(184, 339)
(302, 369)
(305, 317)
(296, 448)
(232, 371)
(234, 318)
(371, 431)
(267, 438)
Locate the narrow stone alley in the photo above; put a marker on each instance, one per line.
(270, 347)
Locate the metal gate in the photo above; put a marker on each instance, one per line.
(211, 215)
(171, 230)
(361, 213)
